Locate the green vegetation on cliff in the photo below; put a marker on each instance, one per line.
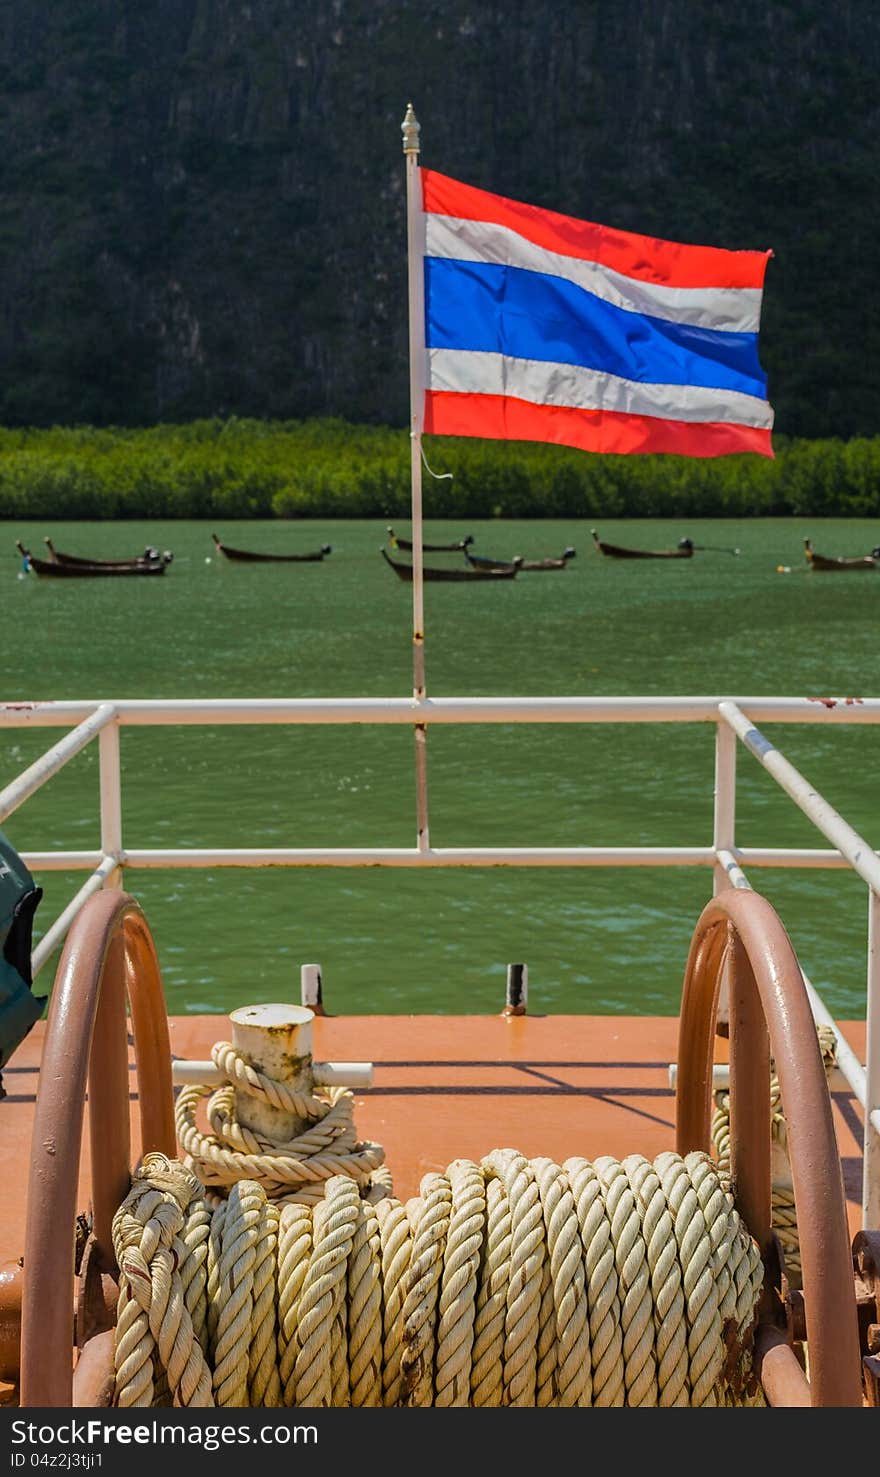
(328, 468)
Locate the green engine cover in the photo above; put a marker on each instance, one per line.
(19, 896)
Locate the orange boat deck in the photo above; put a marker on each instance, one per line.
(447, 1087)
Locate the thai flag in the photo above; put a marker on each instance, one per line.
(541, 327)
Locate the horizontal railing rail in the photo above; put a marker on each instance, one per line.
(406, 710)
(438, 856)
(734, 719)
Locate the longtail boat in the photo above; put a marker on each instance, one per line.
(247, 556)
(684, 550)
(550, 563)
(825, 563)
(493, 566)
(404, 543)
(405, 572)
(54, 570)
(150, 555)
(519, 563)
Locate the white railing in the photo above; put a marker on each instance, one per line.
(733, 717)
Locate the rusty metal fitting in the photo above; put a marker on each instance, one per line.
(97, 1296)
(796, 1315)
(866, 1275)
(866, 1257)
(94, 1377)
(11, 1285)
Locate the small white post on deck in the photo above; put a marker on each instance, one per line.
(311, 988)
(416, 293)
(277, 1040)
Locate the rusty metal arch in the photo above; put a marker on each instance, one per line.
(109, 955)
(770, 1014)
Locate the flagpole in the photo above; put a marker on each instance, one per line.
(416, 294)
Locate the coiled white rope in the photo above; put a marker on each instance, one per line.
(508, 1282)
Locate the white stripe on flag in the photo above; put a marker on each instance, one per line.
(731, 309)
(468, 372)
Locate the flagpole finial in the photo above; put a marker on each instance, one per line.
(410, 129)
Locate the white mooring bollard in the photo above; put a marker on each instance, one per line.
(277, 1040)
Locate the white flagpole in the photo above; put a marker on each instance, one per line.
(416, 291)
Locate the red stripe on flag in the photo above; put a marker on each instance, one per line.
(500, 417)
(647, 258)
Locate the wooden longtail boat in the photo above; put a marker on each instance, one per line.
(54, 570)
(824, 563)
(404, 543)
(247, 556)
(684, 550)
(519, 563)
(550, 563)
(405, 572)
(493, 566)
(150, 555)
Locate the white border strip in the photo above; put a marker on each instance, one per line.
(727, 309)
(574, 387)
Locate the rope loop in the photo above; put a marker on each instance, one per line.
(266, 1089)
(289, 1169)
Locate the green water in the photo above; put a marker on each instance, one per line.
(595, 940)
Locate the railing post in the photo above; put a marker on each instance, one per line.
(111, 798)
(723, 839)
(871, 1164)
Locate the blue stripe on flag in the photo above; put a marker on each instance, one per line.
(527, 315)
